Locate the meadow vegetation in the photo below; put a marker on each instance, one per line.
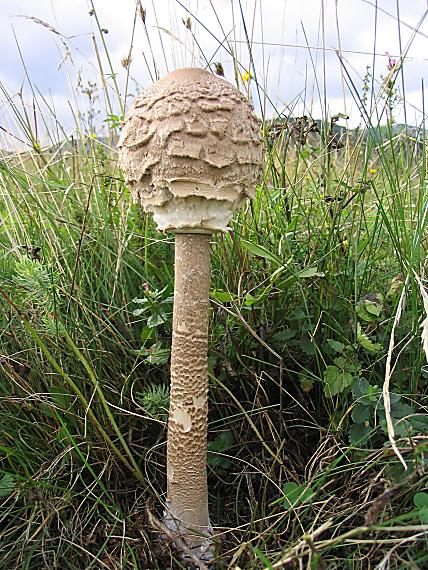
(318, 379)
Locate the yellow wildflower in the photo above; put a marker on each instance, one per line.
(372, 171)
(246, 76)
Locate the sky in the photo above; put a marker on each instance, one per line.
(306, 56)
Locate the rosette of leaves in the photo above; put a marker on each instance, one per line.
(155, 311)
(155, 401)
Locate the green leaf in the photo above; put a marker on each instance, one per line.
(157, 319)
(138, 312)
(7, 485)
(423, 515)
(335, 345)
(401, 410)
(310, 272)
(366, 343)
(222, 442)
(336, 380)
(360, 388)
(341, 362)
(156, 354)
(221, 296)
(370, 307)
(296, 494)
(419, 423)
(147, 333)
(361, 413)
(420, 499)
(260, 251)
(284, 335)
(395, 288)
(250, 300)
(359, 434)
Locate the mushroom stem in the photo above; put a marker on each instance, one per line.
(187, 488)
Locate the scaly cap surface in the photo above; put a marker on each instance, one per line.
(190, 150)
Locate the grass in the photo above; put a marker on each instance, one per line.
(305, 292)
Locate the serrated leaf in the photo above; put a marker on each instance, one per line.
(307, 346)
(336, 380)
(341, 362)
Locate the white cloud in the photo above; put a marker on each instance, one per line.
(287, 39)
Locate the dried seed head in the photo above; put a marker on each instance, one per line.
(190, 150)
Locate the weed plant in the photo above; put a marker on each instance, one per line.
(315, 278)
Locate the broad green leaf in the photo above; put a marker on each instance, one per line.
(336, 380)
(250, 300)
(421, 499)
(360, 388)
(335, 345)
(419, 423)
(370, 307)
(340, 362)
(361, 413)
(221, 296)
(296, 494)
(401, 410)
(359, 434)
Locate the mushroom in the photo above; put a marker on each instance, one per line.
(190, 151)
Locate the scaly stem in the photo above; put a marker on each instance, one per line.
(187, 496)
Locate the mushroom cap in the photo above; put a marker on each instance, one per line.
(190, 151)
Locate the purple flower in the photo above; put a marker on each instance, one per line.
(391, 62)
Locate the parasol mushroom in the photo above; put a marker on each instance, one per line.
(190, 151)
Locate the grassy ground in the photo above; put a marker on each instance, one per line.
(317, 301)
